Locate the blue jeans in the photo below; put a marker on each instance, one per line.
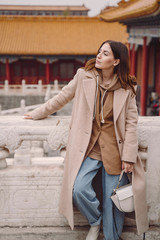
(84, 198)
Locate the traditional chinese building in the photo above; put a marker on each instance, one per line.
(50, 47)
(142, 19)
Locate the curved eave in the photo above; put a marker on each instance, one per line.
(121, 13)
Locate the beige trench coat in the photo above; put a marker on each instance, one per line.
(82, 89)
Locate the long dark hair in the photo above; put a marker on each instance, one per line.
(120, 51)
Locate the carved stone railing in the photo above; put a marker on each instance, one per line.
(14, 130)
(29, 194)
(19, 111)
(25, 89)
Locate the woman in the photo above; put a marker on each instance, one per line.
(102, 134)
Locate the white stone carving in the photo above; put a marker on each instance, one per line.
(3, 155)
(3, 137)
(13, 139)
(58, 137)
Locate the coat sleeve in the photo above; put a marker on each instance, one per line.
(130, 145)
(57, 102)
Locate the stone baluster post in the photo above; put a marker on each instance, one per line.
(6, 86)
(22, 155)
(56, 85)
(36, 149)
(39, 86)
(22, 107)
(48, 93)
(23, 86)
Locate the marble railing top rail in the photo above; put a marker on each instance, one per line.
(11, 121)
(18, 110)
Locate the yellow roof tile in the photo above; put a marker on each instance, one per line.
(129, 10)
(56, 35)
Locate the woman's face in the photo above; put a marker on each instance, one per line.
(105, 58)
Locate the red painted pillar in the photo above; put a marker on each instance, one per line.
(7, 71)
(47, 72)
(130, 52)
(143, 97)
(133, 61)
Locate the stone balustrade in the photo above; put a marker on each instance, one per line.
(20, 110)
(14, 130)
(29, 193)
(24, 89)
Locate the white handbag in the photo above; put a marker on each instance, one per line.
(122, 197)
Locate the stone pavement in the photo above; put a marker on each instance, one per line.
(61, 233)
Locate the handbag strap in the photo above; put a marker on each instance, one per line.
(120, 178)
(121, 175)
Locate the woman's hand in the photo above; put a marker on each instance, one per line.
(27, 116)
(127, 166)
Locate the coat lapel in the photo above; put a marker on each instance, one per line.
(120, 96)
(89, 87)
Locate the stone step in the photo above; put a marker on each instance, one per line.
(61, 233)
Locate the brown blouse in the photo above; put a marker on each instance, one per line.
(103, 144)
